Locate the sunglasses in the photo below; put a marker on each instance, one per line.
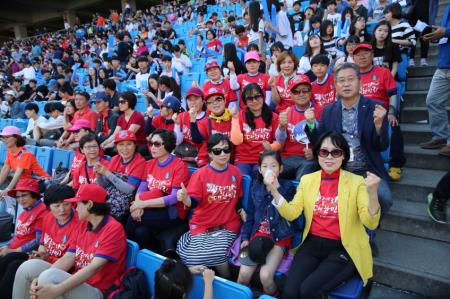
(218, 151)
(123, 102)
(336, 153)
(254, 98)
(300, 91)
(155, 143)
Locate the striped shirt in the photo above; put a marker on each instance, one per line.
(330, 45)
(404, 31)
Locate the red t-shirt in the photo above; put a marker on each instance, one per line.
(325, 221)
(28, 223)
(224, 85)
(162, 177)
(207, 128)
(296, 137)
(215, 45)
(245, 79)
(23, 158)
(185, 126)
(324, 94)
(378, 84)
(55, 237)
(136, 119)
(107, 241)
(87, 114)
(159, 123)
(134, 170)
(81, 174)
(283, 89)
(248, 151)
(78, 158)
(217, 193)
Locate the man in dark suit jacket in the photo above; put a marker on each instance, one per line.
(364, 125)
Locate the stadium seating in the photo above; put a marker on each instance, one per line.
(44, 155)
(132, 252)
(187, 80)
(266, 297)
(22, 124)
(3, 152)
(298, 51)
(61, 157)
(149, 262)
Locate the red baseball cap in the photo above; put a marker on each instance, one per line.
(125, 136)
(92, 192)
(297, 80)
(213, 91)
(194, 91)
(363, 46)
(80, 124)
(25, 185)
(210, 64)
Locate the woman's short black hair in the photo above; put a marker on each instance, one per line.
(57, 193)
(100, 209)
(266, 113)
(212, 32)
(168, 138)
(338, 141)
(87, 138)
(395, 9)
(215, 139)
(130, 98)
(172, 280)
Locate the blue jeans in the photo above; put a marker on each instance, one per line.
(385, 196)
(249, 169)
(437, 97)
(294, 167)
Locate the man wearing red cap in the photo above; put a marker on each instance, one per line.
(97, 253)
(217, 81)
(377, 83)
(297, 149)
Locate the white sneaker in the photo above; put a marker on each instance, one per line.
(412, 63)
(423, 62)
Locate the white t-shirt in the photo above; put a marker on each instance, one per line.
(284, 27)
(335, 20)
(254, 36)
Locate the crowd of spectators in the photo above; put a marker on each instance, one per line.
(169, 176)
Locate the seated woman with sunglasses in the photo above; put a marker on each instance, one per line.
(213, 193)
(253, 130)
(218, 121)
(85, 172)
(338, 207)
(129, 120)
(155, 207)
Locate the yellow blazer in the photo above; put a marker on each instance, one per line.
(353, 213)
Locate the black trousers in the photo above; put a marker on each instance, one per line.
(8, 267)
(397, 152)
(319, 266)
(442, 190)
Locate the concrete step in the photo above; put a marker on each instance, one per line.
(417, 114)
(416, 157)
(421, 71)
(411, 263)
(416, 133)
(381, 291)
(418, 83)
(415, 98)
(411, 218)
(416, 184)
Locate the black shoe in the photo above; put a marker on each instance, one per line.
(374, 248)
(437, 209)
(434, 144)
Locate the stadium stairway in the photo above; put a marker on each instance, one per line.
(414, 251)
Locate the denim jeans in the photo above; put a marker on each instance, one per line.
(248, 169)
(385, 196)
(437, 97)
(294, 167)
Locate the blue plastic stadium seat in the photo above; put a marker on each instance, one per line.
(246, 189)
(3, 152)
(141, 105)
(266, 297)
(132, 252)
(44, 156)
(4, 123)
(350, 290)
(41, 106)
(370, 26)
(198, 65)
(187, 80)
(61, 157)
(192, 170)
(222, 288)
(298, 51)
(32, 148)
(22, 124)
(149, 262)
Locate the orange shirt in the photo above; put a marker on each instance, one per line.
(25, 159)
(87, 114)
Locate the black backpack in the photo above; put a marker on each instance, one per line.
(131, 285)
(6, 225)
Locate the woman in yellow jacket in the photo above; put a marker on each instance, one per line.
(337, 206)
